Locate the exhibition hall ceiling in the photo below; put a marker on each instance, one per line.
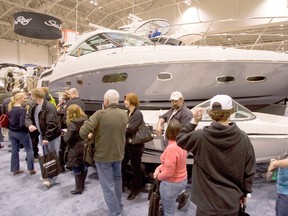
(231, 23)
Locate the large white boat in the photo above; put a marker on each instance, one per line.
(105, 59)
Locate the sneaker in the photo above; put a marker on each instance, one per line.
(1, 146)
(47, 183)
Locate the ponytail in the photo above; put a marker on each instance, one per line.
(11, 104)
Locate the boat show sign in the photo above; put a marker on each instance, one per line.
(36, 25)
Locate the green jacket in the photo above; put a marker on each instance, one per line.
(109, 128)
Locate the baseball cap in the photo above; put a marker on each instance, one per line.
(176, 95)
(221, 102)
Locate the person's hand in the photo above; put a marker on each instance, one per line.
(45, 142)
(90, 135)
(158, 130)
(197, 113)
(155, 174)
(271, 166)
(32, 128)
(243, 201)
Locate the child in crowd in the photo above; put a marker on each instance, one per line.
(172, 172)
(282, 185)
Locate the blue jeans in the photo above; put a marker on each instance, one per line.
(18, 138)
(281, 205)
(111, 183)
(79, 169)
(1, 135)
(169, 192)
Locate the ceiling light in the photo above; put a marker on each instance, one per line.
(188, 2)
(94, 2)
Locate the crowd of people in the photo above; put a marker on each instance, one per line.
(224, 158)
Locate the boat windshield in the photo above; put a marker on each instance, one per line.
(109, 40)
(241, 113)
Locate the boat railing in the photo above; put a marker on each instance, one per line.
(256, 33)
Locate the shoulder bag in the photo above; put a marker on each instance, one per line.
(242, 211)
(144, 134)
(4, 123)
(154, 200)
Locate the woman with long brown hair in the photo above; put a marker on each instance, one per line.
(19, 133)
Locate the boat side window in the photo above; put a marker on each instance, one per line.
(125, 39)
(241, 113)
(93, 44)
(254, 79)
(225, 79)
(115, 77)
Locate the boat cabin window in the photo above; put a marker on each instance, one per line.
(48, 73)
(93, 44)
(45, 83)
(125, 39)
(256, 79)
(164, 76)
(109, 40)
(241, 113)
(115, 77)
(225, 79)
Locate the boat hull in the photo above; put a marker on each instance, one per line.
(197, 81)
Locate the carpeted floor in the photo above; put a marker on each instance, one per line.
(24, 195)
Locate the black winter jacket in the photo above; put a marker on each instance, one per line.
(75, 143)
(134, 122)
(48, 120)
(224, 166)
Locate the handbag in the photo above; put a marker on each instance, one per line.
(242, 211)
(155, 208)
(89, 152)
(4, 122)
(144, 134)
(49, 164)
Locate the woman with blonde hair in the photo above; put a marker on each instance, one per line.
(75, 144)
(19, 133)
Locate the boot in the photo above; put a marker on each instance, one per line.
(78, 188)
(83, 176)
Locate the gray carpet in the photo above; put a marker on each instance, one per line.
(24, 195)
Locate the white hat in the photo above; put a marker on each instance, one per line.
(176, 95)
(221, 102)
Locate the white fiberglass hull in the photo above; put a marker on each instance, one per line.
(153, 73)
